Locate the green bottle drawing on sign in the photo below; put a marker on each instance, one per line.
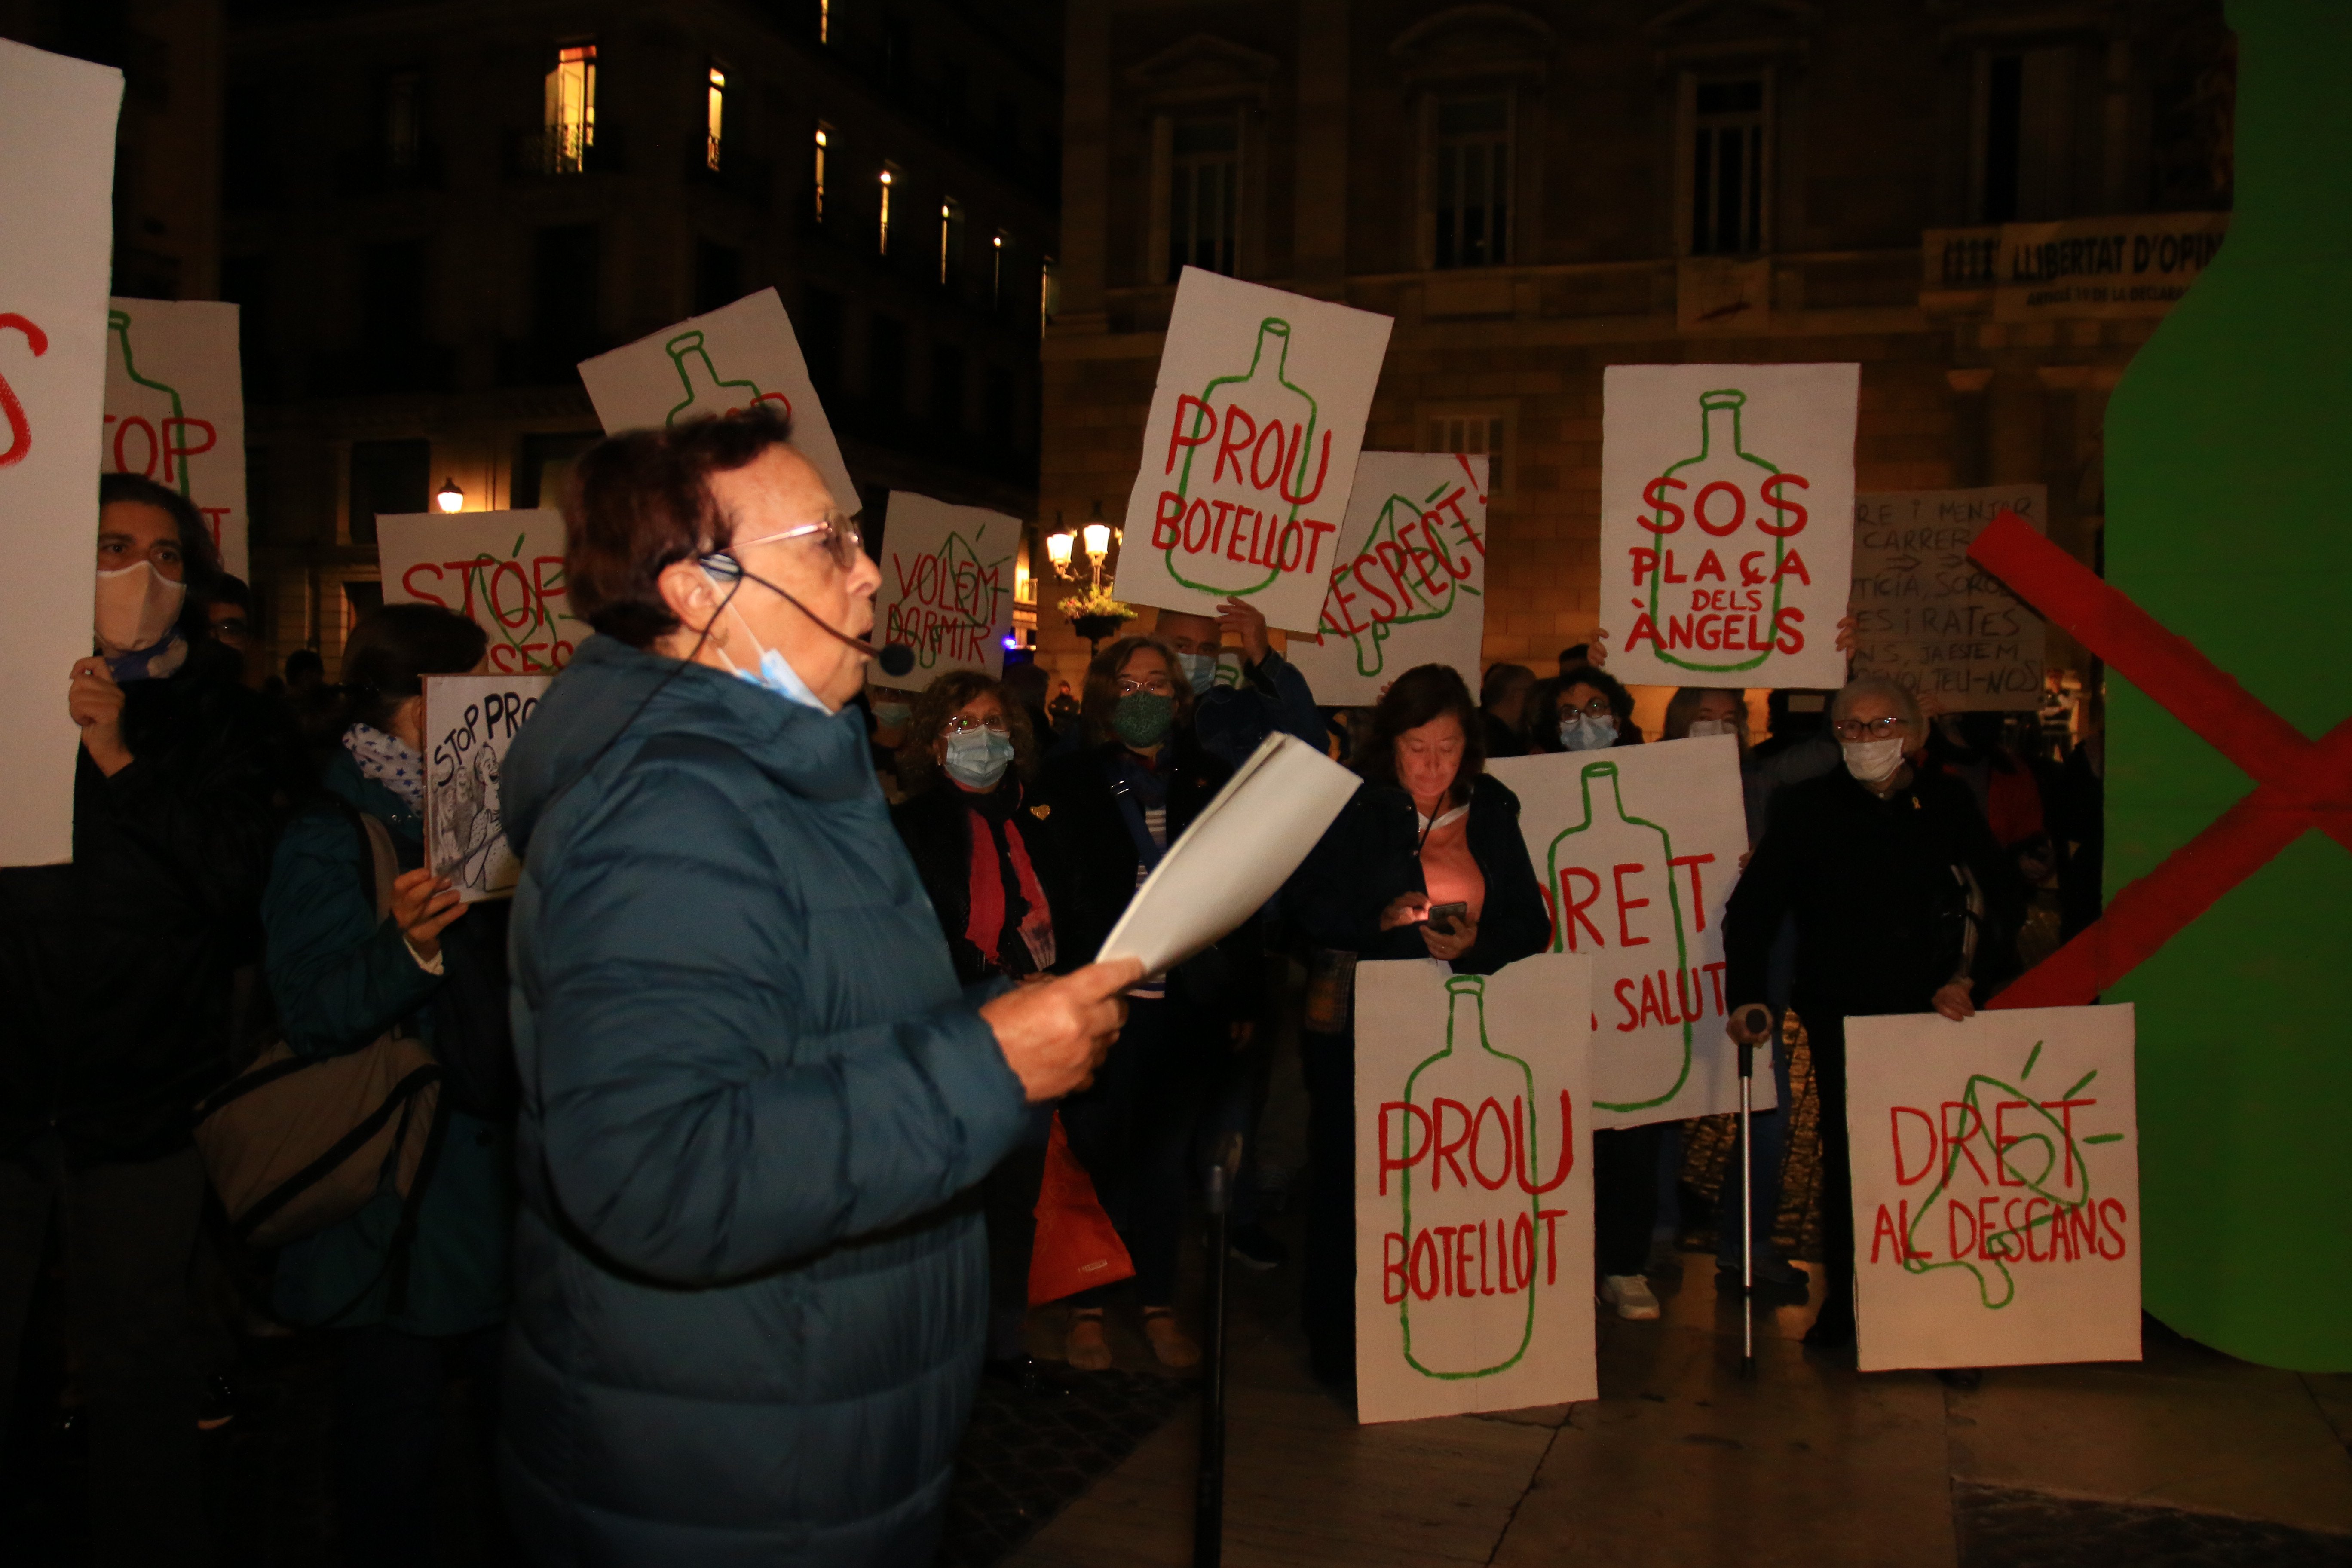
(707, 393)
(171, 429)
(1594, 896)
(1265, 394)
(1721, 461)
(1472, 1235)
(1429, 583)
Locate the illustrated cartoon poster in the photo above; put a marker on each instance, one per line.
(1928, 616)
(175, 407)
(1409, 583)
(470, 720)
(57, 188)
(1726, 495)
(947, 586)
(1639, 847)
(1249, 455)
(1474, 1188)
(740, 354)
(504, 570)
(1996, 1187)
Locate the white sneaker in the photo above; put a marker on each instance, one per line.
(1630, 1295)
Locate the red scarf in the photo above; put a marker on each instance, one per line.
(986, 929)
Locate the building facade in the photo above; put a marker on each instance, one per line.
(433, 212)
(1537, 190)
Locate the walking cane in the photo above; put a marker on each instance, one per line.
(1208, 1491)
(1748, 1192)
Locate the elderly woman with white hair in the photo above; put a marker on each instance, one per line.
(1902, 903)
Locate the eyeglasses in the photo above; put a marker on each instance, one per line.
(842, 540)
(1868, 729)
(1598, 708)
(231, 626)
(1156, 684)
(957, 724)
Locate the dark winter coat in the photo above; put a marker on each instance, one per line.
(116, 969)
(751, 1290)
(937, 828)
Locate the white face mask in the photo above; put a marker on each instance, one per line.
(1873, 762)
(136, 606)
(1701, 728)
(1585, 733)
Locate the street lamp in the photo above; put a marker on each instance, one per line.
(1092, 612)
(450, 498)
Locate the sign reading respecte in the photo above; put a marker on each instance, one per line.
(1474, 1188)
(947, 586)
(1996, 1187)
(175, 408)
(1409, 583)
(737, 355)
(1928, 616)
(1725, 491)
(502, 569)
(1249, 454)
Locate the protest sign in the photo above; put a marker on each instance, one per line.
(1996, 1187)
(1725, 491)
(1638, 848)
(1474, 1188)
(503, 570)
(57, 185)
(1928, 616)
(737, 355)
(470, 722)
(1409, 583)
(1243, 846)
(1249, 454)
(947, 586)
(175, 407)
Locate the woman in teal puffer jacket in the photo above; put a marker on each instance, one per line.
(751, 1280)
(340, 977)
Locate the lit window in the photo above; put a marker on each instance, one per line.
(996, 272)
(1473, 435)
(1204, 168)
(951, 242)
(1727, 168)
(718, 106)
(1473, 172)
(819, 211)
(572, 109)
(883, 235)
(1049, 294)
(824, 21)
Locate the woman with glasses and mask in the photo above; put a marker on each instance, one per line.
(1120, 803)
(1902, 903)
(991, 862)
(750, 1291)
(1583, 710)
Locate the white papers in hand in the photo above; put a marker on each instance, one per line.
(1237, 852)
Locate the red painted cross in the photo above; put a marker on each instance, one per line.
(2300, 784)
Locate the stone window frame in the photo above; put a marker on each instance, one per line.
(1202, 77)
(1476, 51)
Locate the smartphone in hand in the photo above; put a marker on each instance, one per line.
(1446, 919)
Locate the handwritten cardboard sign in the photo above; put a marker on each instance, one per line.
(470, 720)
(1250, 451)
(1639, 847)
(175, 407)
(57, 184)
(1474, 1188)
(1409, 583)
(737, 355)
(504, 570)
(1724, 546)
(947, 586)
(1928, 616)
(1996, 1187)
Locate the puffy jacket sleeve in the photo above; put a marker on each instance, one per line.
(1338, 894)
(695, 1127)
(340, 976)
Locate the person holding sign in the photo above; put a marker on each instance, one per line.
(1426, 861)
(749, 1298)
(1271, 694)
(1902, 903)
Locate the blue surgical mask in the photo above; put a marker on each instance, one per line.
(1199, 669)
(892, 715)
(977, 759)
(1584, 732)
(775, 674)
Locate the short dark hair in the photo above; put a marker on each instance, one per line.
(1422, 695)
(639, 503)
(200, 562)
(389, 653)
(1576, 653)
(1102, 687)
(917, 769)
(1500, 678)
(1541, 721)
(231, 589)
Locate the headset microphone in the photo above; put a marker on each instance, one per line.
(897, 659)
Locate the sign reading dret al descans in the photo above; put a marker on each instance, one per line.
(57, 223)
(502, 569)
(737, 355)
(1250, 451)
(1726, 495)
(1996, 1187)
(1409, 584)
(1928, 616)
(175, 407)
(1474, 1188)
(947, 586)
(1639, 847)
